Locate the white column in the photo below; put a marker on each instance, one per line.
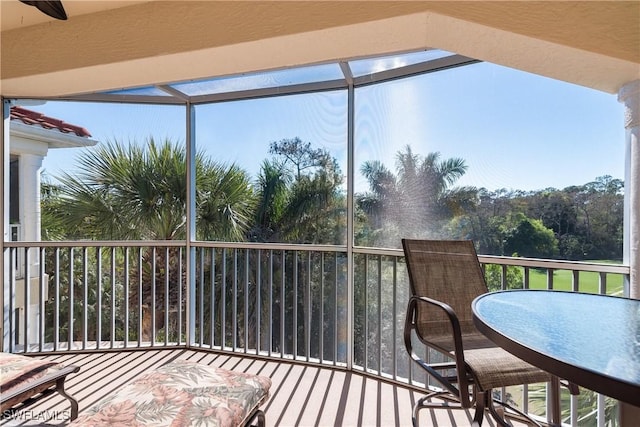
(629, 95)
(30, 168)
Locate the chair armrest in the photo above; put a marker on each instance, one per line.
(445, 308)
(458, 355)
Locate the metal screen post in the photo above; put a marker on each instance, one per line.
(191, 224)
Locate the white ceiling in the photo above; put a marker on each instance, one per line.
(109, 45)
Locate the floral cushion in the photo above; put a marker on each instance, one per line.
(181, 393)
(17, 370)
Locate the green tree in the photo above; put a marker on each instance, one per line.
(299, 200)
(498, 277)
(530, 238)
(299, 196)
(138, 191)
(600, 217)
(272, 192)
(300, 155)
(51, 229)
(486, 222)
(417, 201)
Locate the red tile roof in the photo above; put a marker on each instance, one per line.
(34, 118)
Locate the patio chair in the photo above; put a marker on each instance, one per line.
(25, 380)
(445, 277)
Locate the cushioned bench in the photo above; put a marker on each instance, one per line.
(25, 380)
(183, 393)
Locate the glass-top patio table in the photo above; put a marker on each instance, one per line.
(590, 340)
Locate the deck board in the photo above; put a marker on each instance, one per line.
(301, 395)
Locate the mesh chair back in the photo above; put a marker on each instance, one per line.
(447, 271)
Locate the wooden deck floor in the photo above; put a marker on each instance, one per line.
(300, 395)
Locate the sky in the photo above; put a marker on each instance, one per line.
(514, 130)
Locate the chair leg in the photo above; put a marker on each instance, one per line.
(425, 402)
(497, 413)
(416, 408)
(481, 402)
(74, 403)
(484, 401)
(258, 416)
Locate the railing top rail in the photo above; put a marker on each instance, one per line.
(174, 243)
(485, 259)
(95, 243)
(555, 264)
(520, 262)
(272, 246)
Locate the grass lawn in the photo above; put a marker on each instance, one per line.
(588, 281)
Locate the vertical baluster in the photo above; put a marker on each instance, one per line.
(27, 297)
(525, 398)
(504, 284)
(41, 285)
(394, 311)
(380, 315)
(154, 255)
(98, 297)
(13, 328)
(212, 298)
(85, 297)
(575, 280)
(270, 301)
(113, 297)
(282, 304)
(180, 281)
(574, 410)
(179, 301)
(167, 274)
(550, 272)
(140, 297)
(295, 305)
(410, 374)
(234, 329)
(200, 295)
(258, 309)
(71, 299)
(56, 303)
(223, 305)
(336, 342)
(321, 326)
(247, 254)
(126, 297)
(601, 418)
(308, 313)
(366, 312)
(602, 283)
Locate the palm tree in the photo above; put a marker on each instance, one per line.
(298, 196)
(138, 192)
(417, 199)
(272, 192)
(299, 201)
